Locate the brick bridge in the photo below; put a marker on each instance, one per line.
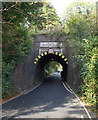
(45, 48)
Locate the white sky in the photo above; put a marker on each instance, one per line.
(60, 5)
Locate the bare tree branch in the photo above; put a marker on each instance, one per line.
(6, 9)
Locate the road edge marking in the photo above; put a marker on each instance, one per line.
(87, 112)
(32, 89)
(23, 93)
(67, 88)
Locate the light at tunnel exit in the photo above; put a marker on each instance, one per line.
(52, 67)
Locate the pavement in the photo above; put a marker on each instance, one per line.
(49, 100)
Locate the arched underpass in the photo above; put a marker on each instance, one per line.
(39, 69)
(49, 100)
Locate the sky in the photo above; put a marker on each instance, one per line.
(60, 5)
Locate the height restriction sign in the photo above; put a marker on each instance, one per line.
(50, 50)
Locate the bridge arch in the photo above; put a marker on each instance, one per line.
(46, 57)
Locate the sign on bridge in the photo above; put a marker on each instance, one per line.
(50, 47)
(50, 50)
(50, 44)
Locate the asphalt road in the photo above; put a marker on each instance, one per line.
(49, 100)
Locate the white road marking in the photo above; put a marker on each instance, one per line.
(22, 94)
(81, 103)
(67, 88)
(32, 89)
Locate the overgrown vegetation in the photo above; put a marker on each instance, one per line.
(16, 44)
(20, 20)
(83, 39)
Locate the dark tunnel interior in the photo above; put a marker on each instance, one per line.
(39, 70)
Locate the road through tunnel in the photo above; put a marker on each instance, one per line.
(45, 58)
(45, 49)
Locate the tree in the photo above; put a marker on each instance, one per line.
(16, 41)
(20, 20)
(80, 24)
(80, 20)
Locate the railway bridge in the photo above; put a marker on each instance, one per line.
(45, 48)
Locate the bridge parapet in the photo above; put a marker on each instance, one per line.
(45, 48)
(50, 46)
(46, 42)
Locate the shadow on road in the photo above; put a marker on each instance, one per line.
(50, 97)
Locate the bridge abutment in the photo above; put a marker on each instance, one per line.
(28, 74)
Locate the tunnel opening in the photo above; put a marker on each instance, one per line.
(46, 59)
(52, 67)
